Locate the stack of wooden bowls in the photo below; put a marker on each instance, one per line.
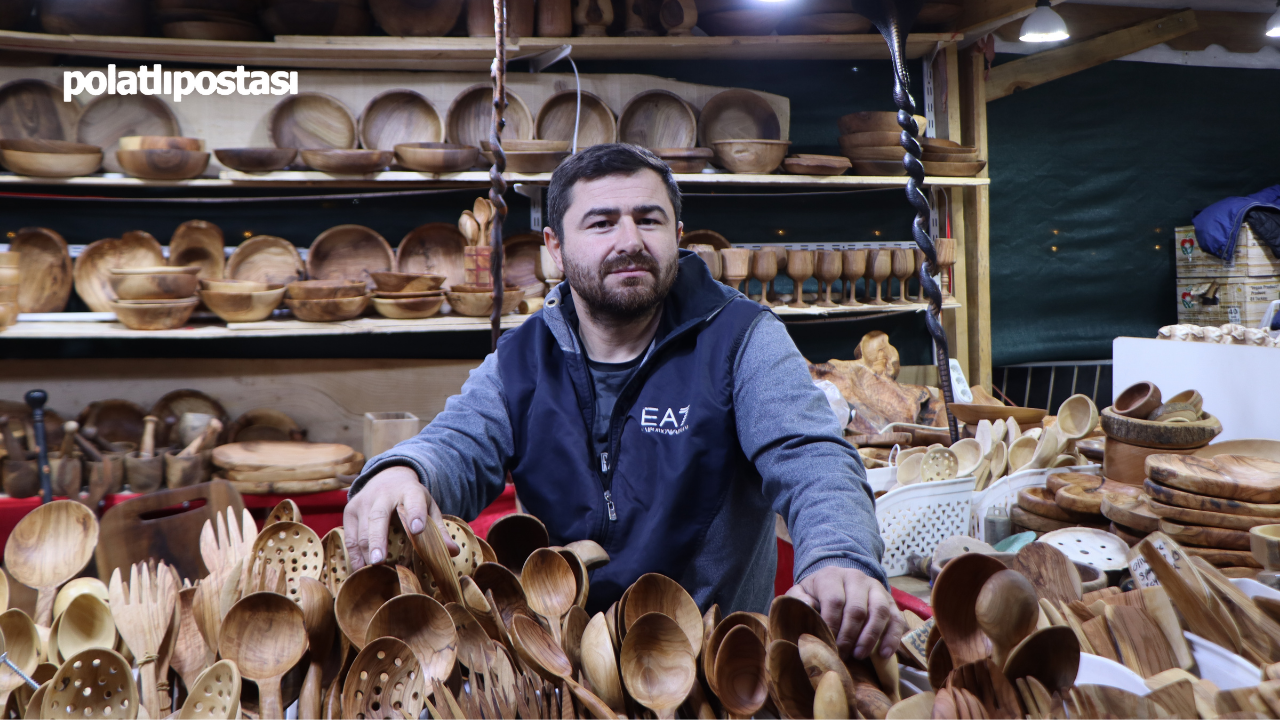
(316, 17)
(743, 130)
(1069, 500)
(407, 296)
(238, 301)
(477, 300)
(209, 19)
(1141, 422)
(530, 156)
(50, 158)
(10, 280)
(154, 298)
(947, 158)
(162, 157)
(326, 300)
(871, 141)
(261, 467)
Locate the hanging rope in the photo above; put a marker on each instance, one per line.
(498, 185)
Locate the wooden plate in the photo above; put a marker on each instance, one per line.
(1090, 546)
(44, 267)
(399, 116)
(658, 119)
(704, 237)
(1178, 498)
(1159, 435)
(34, 109)
(1131, 512)
(1057, 481)
(264, 424)
(597, 124)
(1269, 449)
(1039, 523)
(816, 165)
(1187, 516)
(470, 117)
(972, 413)
(954, 169)
(836, 23)
(108, 118)
(737, 115)
(1040, 501)
(267, 259)
(92, 270)
(521, 255)
(436, 249)
(266, 455)
(170, 409)
(199, 242)
(312, 121)
(115, 420)
(1088, 498)
(1210, 537)
(349, 252)
(1249, 480)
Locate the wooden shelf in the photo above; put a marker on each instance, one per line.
(459, 54)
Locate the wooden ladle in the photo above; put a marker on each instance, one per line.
(1007, 611)
(360, 597)
(316, 603)
(265, 635)
(550, 587)
(539, 650)
(515, 537)
(658, 665)
(955, 593)
(48, 547)
(85, 624)
(19, 638)
(741, 676)
(659, 593)
(425, 626)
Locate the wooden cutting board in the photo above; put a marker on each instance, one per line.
(1040, 501)
(266, 455)
(1173, 496)
(1131, 512)
(287, 474)
(1088, 499)
(1234, 477)
(1199, 536)
(1056, 481)
(1187, 516)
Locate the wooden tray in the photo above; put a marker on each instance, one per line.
(1254, 447)
(1160, 435)
(1042, 524)
(1178, 498)
(298, 474)
(265, 455)
(1187, 516)
(1131, 512)
(1210, 537)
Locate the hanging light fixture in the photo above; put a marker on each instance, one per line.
(1043, 25)
(1273, 22)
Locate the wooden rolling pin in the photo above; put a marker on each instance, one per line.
(206, 438)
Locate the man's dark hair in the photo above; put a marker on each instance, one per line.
(600, 161)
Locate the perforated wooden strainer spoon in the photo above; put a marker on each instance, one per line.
(95, 683)
(214, 695)
(385, 681)
(293, 548)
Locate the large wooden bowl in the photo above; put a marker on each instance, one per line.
(871, 121)
(480, 304)
(325, 289)
(312, 121)
(93, 266)
(31, 108)
(348, 162)
(740, 22)
(973, 413)
(409, 308)
(349, 252)
(658, 119)
(434, 157)
(101, 17)
(685, 160)
(738, 115)
(1146, 433)
(332, 310)
(400, 282)
(107, 118)
(953, 169)
(436, 249)
(160, 142)
(243, 306)
(416, 18)
(266, 259)
(163, 164)
(750, 156)
(44, 267)
(316, 17)
(154, 283)
(556, 119)
(470, 117)
(256, 159)
(535, 161)
(50, 158)
(157, 315)
(396, 117)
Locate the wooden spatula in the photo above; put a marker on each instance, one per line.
(1141, 645)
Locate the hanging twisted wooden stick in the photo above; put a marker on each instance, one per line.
(498, 185)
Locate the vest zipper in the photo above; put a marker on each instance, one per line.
(608, 498)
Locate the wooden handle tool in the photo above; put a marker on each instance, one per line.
(148, 448)
(87, 448)
(36, 400)
(69, 429)
(205, 439)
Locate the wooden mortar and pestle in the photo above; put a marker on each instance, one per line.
(104, 470)
(144, 469)
(192, 464)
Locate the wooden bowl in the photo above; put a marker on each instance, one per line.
(316, 17)
(707, 237)
(942, 146)
(685, 160)
(510, 146)
(927, 156)
(325, 289)
(93, 267)
(107, 118)
(409, 308)
(870, 139)
(973, 413)
(349, 252)
(480, 304)
(740, 22)
(1137, 400)
(875, 153)
(1146, 433)
(872, 121)
(1264, 544)
(738, 115)
(47, 164)
(233, 286)
(751, 156)
(160, 142)
(331, 310)
(147, 284)
(44, 267)
(312, 121)
(470, 117)
(416, 18)
(534, 162)
(435, 249)
(256, 159)
(401, 282)
(880, 168)
(107, 17)
(163, 164)
(31, 108)
(266, 259)
(243, 306)
(158, 315)
(816, 164)
(658, 119)
(832, 23)
(953, 169)
(556, 119)
(348, 162)
(406, 295)
(434, 157)
(199, 30)
(396, 117)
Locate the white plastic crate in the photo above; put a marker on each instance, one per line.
(1003, 493)
(915, 518)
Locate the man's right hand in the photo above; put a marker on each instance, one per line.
(367, 514)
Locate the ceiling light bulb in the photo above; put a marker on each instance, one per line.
(1273, 23)
(1043, 25)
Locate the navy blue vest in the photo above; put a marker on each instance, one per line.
(674, 451)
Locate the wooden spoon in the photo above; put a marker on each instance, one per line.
(742, 678)
(360, 597)
(581, 575)
(143, 611)
(658, 664)
(515, 537)
(475, 650)
(789, 684)
(538, 649)
(1007, 611)
(600, 663)
(550, 587)
(425, 626)
(575, 622)
(265, 636)
(384, 682)
(430, 548)
(317, 616)
(214, 694)
(96, 683)
(819, 658)
(658, 593)
(955, 594)
(48, 547)
(711, 648)
(86, 624)
(1053, 575)
(592, 554)
(508, 594)
(789, 618)
(829, 701)
(18, 637)
(1050, 655)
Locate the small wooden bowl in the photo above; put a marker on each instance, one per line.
(470, 117)
(534, 162)
(44, 164)
(416, 18)
(348, 162)
(160, 142)
(349, 252)
(480, 304)
(312, 121)
(256, 159)
(332, 310)
(409, 308)
(816, 164)
(163, 164)
(751, 156)
(1137, 400)
(398, 282)
(953, 169)
(740, 22)
(243, 306)
(157, 315)
(879, 168)
(436, 157)
(874, 153)
(556, 119)
(235, 286)
(132, 284)
(658, 119)
(685, 160)
(738, 115)
(873, 121)
(325, 289)
(396, 117)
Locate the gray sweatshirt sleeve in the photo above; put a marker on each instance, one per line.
(461, 455)
(813, 478)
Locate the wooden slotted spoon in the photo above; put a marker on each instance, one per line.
(384, 682)
(95, 683)
(214, 694)
(291, 547)
(143, 610)
(425, 626)
(48, 547)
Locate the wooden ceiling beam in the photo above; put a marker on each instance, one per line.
(1042, 67)
(982, 16)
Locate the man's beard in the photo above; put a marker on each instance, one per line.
(636, 297)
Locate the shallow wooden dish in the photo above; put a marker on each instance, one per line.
(312, 121)
(266, 259)
(399, 282)
(143, 315)
(316, 17)
(416, 18)
(556, 119)
(738, 115)
(108, 118)
(470, 117)
(348, 162)
(408, 308)
(740, 22)
(436, 157)
(685, 160)
(396, 117)
(751, 156)
(875, 153)
(332, 310)
(69, 159)
(150, 284)
(31, 108)
(870, 139)
(349, 252)
(973, 413)
(534, 162)
(884, 168)
(953, 169)
(658, 119)
(93, 267)
(833, 23)
(243, 306)
(199, 244)
(480, 304)
(256, 159)
(816, 164)
(870, 121)
(433, 248)
(163, 164)
(44, 267)
(325, 289)
(1146, 433)
(160, 142)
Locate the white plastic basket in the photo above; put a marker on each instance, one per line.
(1003, 493)
(915, 518)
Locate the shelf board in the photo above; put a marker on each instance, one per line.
(457, 53)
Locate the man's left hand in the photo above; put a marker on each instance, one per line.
(860, 612)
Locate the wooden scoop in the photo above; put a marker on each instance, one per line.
(425, 626)
(19, 638)
(317, 616)
(86, 624)
(384, 681)
(538, 649)
(1050, 655)
(600, 663)
(96, 683)
(265, 636)
(955, 594)
(360, 597)
(658, 664)
(742, 682)
(658, 593)
(48, 547)
(214, 694)
(788, 683)
(1007, 612)
(550, 586)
